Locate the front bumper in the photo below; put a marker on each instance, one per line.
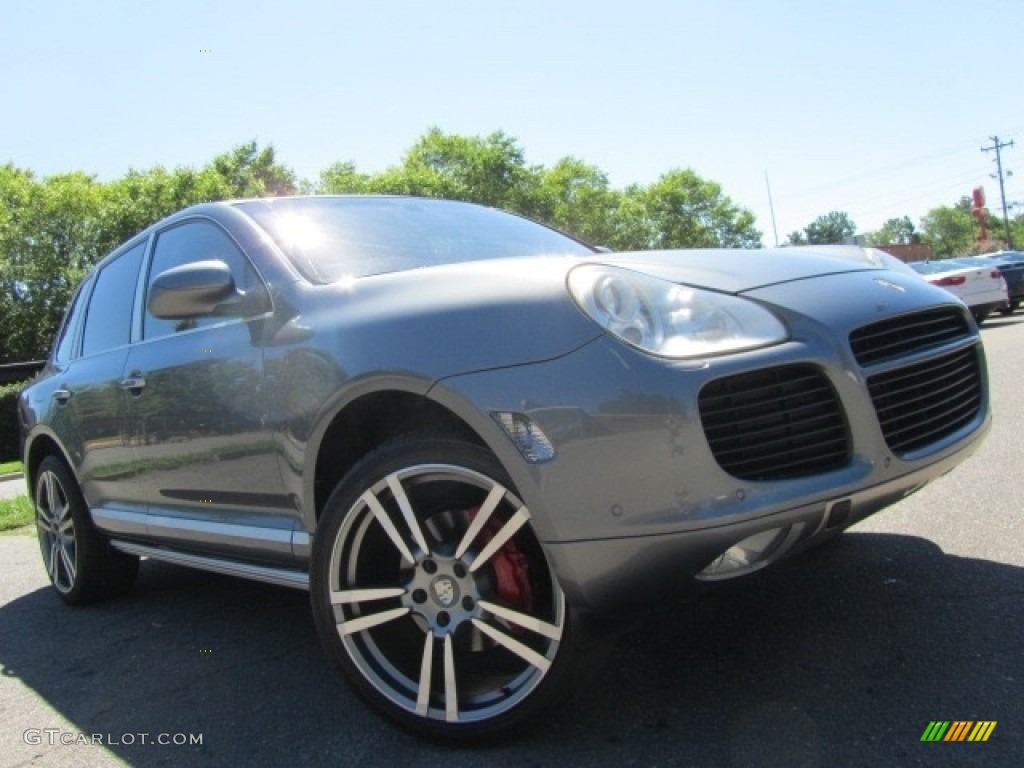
(618, 576)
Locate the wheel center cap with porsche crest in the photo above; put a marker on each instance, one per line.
(445, 590)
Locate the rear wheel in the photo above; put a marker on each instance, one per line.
(433, 595)
(81, 564)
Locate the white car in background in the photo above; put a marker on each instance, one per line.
(981, 288)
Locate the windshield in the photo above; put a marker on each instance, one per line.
(934, 267)
(334, 238)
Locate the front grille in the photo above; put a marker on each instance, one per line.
(775, 424)
(920, 404)
(908, 334)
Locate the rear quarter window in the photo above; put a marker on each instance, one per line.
(65, 344)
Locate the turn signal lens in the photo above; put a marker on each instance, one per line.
(532, 443)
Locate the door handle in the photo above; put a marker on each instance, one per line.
(62, 395)
(134, 383)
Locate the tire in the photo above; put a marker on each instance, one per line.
(433, 596)
(80, 562)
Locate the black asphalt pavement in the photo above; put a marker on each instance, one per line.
(839, 658)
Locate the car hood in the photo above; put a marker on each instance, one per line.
(738, 271)
(442, 321)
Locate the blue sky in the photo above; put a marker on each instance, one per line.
(877, 107)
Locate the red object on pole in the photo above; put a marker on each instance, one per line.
(979, 212)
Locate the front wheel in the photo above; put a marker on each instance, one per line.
(433, 595)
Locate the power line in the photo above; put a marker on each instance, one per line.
(889, 199)
(870, 175)
(907, 195)
(883, 171)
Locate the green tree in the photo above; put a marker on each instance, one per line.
(682, 210)
(50, 234)
(253, 172)
(576, 198)
(488, 170)
(1017, 230)
(831, 228)
(949, 230)
(679, 210)
(895, 232)
(343, 178)
(141, 198)
(997, 235)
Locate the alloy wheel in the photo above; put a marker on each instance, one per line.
(56, 529)
(441, 595)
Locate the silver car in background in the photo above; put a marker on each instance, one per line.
(977, 283)
(473, 439)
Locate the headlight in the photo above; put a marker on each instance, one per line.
(668, 319)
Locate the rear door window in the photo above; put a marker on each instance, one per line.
(108, 322)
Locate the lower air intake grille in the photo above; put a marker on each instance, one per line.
(775, 424)
(923, 403)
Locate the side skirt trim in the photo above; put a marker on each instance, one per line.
(283, 577)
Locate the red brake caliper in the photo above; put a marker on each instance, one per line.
(511, 569)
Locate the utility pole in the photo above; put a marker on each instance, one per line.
(771, 207)
(996, 147)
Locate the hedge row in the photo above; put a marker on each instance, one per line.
(9, 420)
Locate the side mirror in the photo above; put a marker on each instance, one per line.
(199, 289)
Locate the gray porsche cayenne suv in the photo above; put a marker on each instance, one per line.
(468, 435)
